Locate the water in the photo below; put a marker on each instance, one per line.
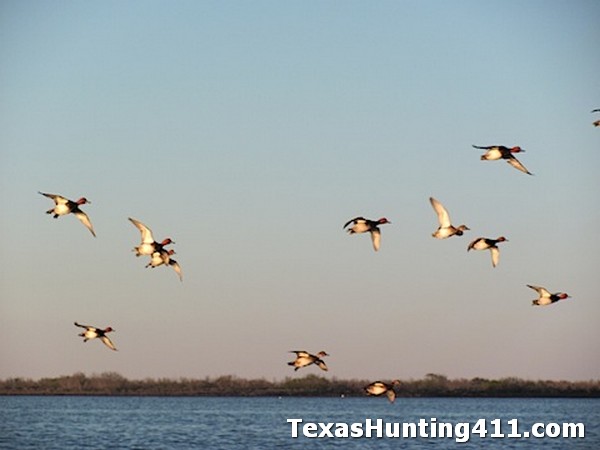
(261, 423)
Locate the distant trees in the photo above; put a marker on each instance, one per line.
(432, 385)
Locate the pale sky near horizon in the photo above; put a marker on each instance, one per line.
(250, 132)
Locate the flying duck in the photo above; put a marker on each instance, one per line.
(488, 244)
(495, 152)
(65, 206)
(148, 245)
(163, 256)
(93, 333)
(304, 359)
(362, 225)
(446, 229)
(597, 122)
(378, 388)
(546, 298)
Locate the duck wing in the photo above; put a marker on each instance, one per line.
(495, 255)
(177, 268)
(443, 217)
(376, 238)
(321, 364)
(58, 199)
(472, 244)
(540, 290)
(88, 327)
(108, 343)
(355, 220)
(84, 219)
(391, 395)
(146, 232)
(301, 353)
(483, 148)
(517, 165)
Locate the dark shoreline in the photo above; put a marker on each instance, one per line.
(432, 385)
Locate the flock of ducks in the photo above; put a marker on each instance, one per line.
(445, 230)
(161, 256)
(157, 252)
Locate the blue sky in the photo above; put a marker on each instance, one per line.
(250, 132)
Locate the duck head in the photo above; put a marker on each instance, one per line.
(461, 229)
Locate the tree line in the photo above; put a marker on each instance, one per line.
(432, 385)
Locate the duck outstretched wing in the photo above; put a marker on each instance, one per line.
(106, 341)
(517, 165)
(442, 213)
(146, 232)
(84, 219)
(355, 220)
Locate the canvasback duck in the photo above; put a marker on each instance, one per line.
(495, 152)
(362, 225)
(163, 257)
(304, 359)
(93, 333)
(597, 122)
(488, 244)
(546, 298)
(64, 206)
(148, 245)
(446, 229)
(378, 388)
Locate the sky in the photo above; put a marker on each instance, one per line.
(249, 133)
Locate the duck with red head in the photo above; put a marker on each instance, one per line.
(545, 297)
(362, 225)
(93, 333)
(495, 152)
(148, 245)
(64, 206)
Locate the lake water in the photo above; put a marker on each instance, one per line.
(66, 422)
